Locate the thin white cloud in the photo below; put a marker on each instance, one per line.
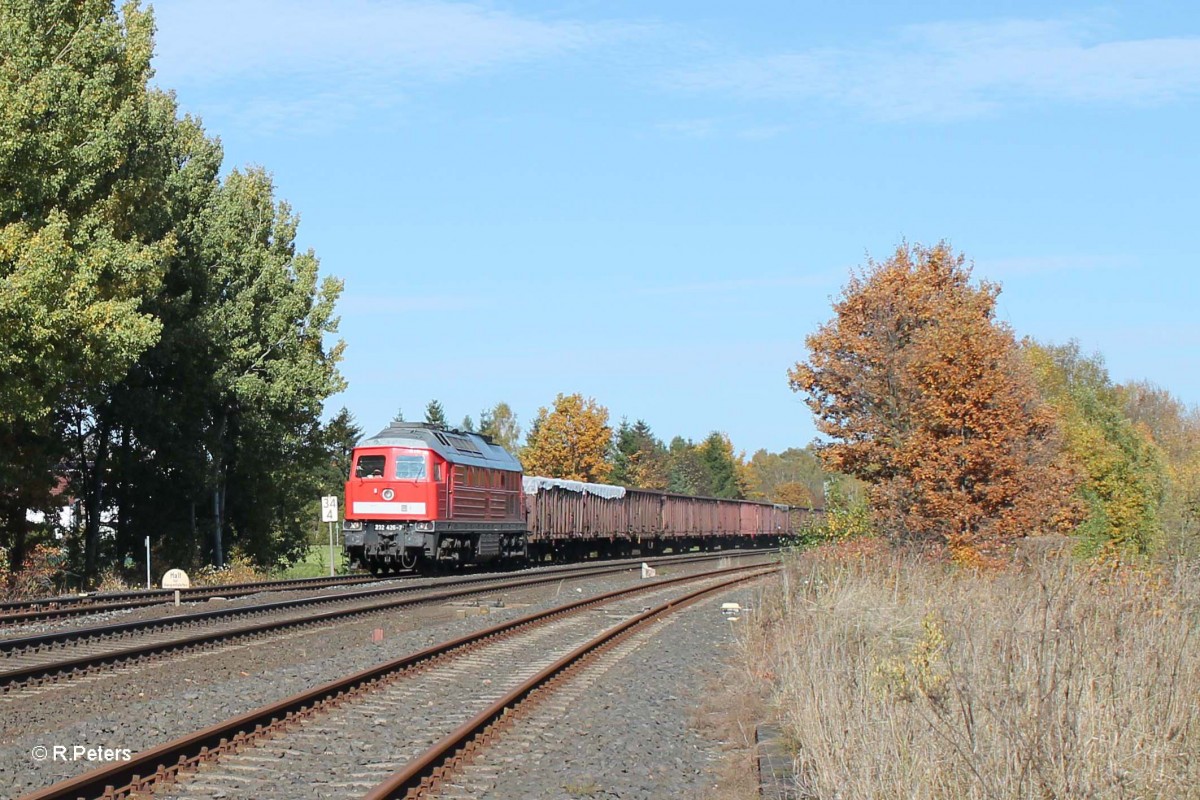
(222, 40)
(309, 65)
(957, 70)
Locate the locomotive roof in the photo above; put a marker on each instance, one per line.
(457, 447)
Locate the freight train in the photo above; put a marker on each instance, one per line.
(421, 496)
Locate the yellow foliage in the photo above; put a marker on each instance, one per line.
(570, 442)
(792, 493)
(922, 672)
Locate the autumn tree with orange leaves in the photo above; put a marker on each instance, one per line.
(925, 396)
(571, 441)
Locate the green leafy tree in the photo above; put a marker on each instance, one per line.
(214, 439)
(686, 472)
(1175, 429)
(779, 477)
(268, 317)
(160, 336)
(847, 513)
(83, 171)
(1125, 471)
(468, 424)
(95, 170)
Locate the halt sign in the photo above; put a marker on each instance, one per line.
(329, 509)
(176, 579)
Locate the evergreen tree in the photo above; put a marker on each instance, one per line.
(341, 436)
(499, 423)
(434, 415)
(468, 424)
(721, 466)
(638, 457)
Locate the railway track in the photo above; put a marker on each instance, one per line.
(21, 612)
(400, 728)
(34, 661)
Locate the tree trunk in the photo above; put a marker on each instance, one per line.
(218, 492)
(122, 494)
(16, 525)
(218, 523)
(94, 497)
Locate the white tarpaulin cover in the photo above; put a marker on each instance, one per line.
(534, 484)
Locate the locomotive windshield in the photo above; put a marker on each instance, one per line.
(369, 467)
(410, 468)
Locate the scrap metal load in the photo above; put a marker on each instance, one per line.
(571, 517)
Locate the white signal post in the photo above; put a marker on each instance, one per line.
(329, 513)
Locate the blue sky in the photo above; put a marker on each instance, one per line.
(653, 203)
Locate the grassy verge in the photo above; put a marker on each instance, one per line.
(896, 677)
(315, 564)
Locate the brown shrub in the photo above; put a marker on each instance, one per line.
(38, 577)
(900, 676)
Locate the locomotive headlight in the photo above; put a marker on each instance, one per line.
(352, 525)
(388, 494)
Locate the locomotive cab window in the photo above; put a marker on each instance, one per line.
(410, 468)
(369, 467)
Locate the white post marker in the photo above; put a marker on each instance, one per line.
(147, 562)
(329, 513)
(176, 579)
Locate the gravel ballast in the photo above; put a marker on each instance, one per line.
(631, 733)
(153, 704)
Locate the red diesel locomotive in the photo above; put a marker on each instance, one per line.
(419, 494)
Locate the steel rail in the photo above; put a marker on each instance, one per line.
(79, 665)
(21, 612)
(162, 764)
(42, 640)
(91, 603)
(428, 770)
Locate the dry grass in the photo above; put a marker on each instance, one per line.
(898, 677)
(239, 569)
